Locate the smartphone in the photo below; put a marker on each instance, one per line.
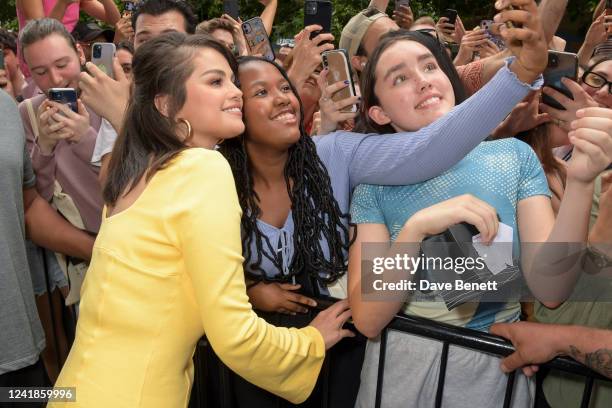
(129, 6)
(67, 96)
(487, 25)
(257, 38)
(337, 62)
(318, 12)
(232, 8)
(399, 3)
(1, 59)
(560, 65)
(451, 14)
(102, 55)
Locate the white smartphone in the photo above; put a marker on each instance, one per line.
(102, 55)
(337, 62)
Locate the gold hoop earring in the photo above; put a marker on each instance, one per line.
(189, 129)
(220, 142)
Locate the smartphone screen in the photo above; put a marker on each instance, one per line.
(102, 55)
(257, 38)
(67, 96)
(337, 62)
(318, 12)
(560, 65)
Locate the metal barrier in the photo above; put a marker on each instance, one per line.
(447, 334)
(475, 340)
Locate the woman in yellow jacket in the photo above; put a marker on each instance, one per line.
(167, 263)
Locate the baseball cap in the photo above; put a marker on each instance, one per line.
(356, 28)
(87, 31)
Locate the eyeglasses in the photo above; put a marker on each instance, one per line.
(596, 81)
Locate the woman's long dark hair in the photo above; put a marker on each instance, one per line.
(148, 140)
(315, 211)
(368, 77)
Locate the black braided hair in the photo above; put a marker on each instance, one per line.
(315, 211)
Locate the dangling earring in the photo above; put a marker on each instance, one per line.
(189, 129)
(220, 142)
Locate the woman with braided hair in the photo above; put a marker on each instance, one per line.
(294, 235)
(294, 192)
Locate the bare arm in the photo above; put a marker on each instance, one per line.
(269, 13)
(105, 10)
(33, 10)
(552, 269)
(371, 317)
(591, 347)
(551, 13)
(45, 227)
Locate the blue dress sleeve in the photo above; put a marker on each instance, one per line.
(412, 157)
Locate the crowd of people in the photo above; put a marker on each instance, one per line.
(201, 189)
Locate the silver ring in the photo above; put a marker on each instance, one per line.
(325, 99)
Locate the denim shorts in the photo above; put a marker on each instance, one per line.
(38, 258)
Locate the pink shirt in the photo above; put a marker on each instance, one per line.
(71, 18)
(69, 164)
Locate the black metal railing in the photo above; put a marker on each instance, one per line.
(444, 333)
(478, 341)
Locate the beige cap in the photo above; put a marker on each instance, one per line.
(355, 29)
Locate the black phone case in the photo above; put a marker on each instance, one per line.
(451, 15)
(318, 12)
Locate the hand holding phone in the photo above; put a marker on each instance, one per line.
(560, 65)
(451, 15)
(257, 38)
(61, 117)
(339, 70)
(71, 118)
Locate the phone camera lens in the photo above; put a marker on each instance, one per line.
(97, 51)
(554, 61)
(311, 7)
(246, 28)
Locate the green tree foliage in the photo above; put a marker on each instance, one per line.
(290, 15)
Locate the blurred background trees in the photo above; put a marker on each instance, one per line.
(290, 14)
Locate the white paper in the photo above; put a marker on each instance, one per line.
(496, 257)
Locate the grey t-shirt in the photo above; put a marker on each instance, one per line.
(21, 334)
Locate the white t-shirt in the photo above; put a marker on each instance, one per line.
(104, 142)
